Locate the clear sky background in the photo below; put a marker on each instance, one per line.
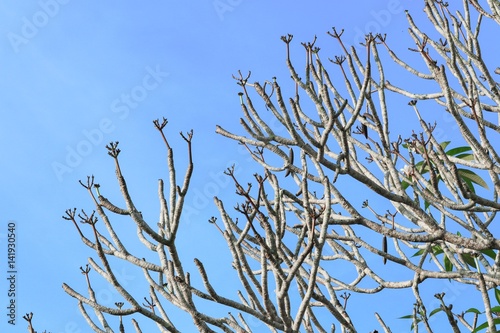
(76, 75)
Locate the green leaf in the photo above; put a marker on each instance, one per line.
(418, 253)
(433, 312)
(495, 309)
(470, 176)
(473, 310)
(426, 204)
(444, 144)
(467, 157)
(469, 185)
(437, 249)
(448, 266)
(496, 321)
(469, 260)
(489, 253)
(458, 150)
(497, 295)
(480, 327)
(406, 317)
(422, 167)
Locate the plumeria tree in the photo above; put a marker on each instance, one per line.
(342, 184)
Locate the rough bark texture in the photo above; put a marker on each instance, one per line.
(439, 199)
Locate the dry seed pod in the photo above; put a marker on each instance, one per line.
(290, 159)
(384, 247)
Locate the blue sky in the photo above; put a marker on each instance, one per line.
(76, 75)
